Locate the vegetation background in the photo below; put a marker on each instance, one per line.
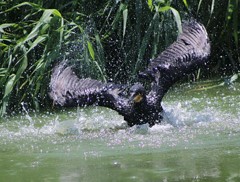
(107, 40)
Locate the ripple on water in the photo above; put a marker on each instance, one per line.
(188, 120)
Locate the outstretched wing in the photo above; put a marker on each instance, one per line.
(187, 54)
(67, 89)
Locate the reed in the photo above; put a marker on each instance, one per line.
(107, 40)
(29, 46)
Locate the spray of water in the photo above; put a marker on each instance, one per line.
(187, 121)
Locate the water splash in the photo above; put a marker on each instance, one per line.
(199, 135)
(189, 120)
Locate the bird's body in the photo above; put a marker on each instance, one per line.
(66, 89)
(188, 53)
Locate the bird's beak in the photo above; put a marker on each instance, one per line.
(136, 98)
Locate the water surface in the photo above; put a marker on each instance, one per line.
(198, 141)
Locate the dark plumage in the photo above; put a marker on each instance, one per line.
(66, 89)
(188, 53)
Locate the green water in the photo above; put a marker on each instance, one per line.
(200, 141)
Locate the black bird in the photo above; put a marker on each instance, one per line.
(187, 54)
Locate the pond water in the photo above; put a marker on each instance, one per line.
(198, 141)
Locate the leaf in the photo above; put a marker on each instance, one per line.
(156, 36)
(100, 50)
(185, 3)
(56, 13)
(176, 16)
(3, 45)
(3, 72)
(46, 15)
(9, 85)
(90, 49)
(199, 5)
(234, 78)
(22, 4)
(39, 40)
(39, 65)
(177, 19)
(100, 70)
(117, 16)
(150, 4)
(144, 43)
(212, 7)
(22, 68)
(125, 15)
(164, 9)
(5, 25)
(45, 18)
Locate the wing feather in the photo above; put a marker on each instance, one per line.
(67, 89)
(188, 53)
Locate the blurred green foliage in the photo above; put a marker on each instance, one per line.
(107, 40)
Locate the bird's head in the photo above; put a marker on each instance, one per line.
(137, 94)
(140, 110)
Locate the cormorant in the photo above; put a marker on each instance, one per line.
(187, 54)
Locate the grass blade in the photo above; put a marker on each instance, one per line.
(177, 19)
(144, 43)
(185, 3)
(39, 40)
(90, 49)
(9, 85)
(125, 15)
(199, 6)
(212, 7)
(150, 5)
(5, 25)
(175, 14)
(22, 4)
